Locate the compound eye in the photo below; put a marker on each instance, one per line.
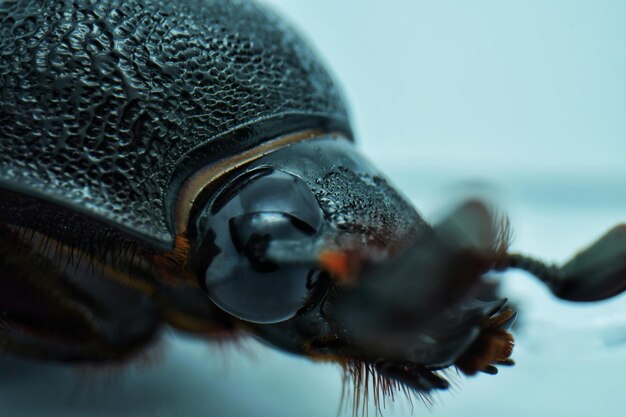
(240, 280)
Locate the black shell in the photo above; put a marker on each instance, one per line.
(105, 106)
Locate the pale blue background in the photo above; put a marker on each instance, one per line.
(510, 83)
(521, 101)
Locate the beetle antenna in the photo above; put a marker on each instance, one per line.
(547, 273)
(596, 273)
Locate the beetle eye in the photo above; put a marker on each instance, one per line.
(239, 279)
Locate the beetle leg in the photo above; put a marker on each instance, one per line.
(65, 323)
(49, 313)
(64, 305)
(596, 273)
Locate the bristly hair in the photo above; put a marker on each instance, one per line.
(121, 253)
(503, 237)
(362, 381)
(172, 265)
(359, 376)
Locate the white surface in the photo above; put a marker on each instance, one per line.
(526, 97)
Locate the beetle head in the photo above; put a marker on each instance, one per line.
(315, 253)
(298, 201)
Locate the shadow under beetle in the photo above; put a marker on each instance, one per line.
(191, 164)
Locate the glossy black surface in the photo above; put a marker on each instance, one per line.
(100, 103)
(271, 206)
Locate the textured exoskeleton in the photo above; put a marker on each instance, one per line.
(191, 163)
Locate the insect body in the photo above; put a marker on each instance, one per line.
(192, 164)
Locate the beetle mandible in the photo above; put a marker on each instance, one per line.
(192, 164)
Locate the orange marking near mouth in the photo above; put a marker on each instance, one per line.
(343, 265)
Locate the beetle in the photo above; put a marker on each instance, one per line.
(192, 165)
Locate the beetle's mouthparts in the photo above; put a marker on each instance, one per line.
(419, 306)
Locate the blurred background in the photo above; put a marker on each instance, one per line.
(523, 102)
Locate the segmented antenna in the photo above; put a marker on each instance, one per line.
(547, 273)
